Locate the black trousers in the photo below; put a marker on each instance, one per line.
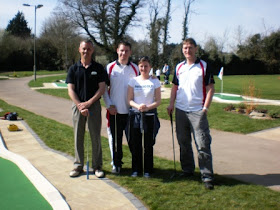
(135, 145)
(117, 145)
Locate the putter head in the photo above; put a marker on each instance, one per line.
(173, 175)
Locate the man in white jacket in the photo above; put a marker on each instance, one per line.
(115, 97)
(193, 89)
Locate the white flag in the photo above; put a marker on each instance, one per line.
(221, 73)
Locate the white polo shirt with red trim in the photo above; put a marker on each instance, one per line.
(192, 81)
(119, 76)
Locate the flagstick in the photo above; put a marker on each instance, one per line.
(222, 87)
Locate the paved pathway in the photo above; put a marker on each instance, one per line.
(245, 157)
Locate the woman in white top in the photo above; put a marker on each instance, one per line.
(144, 97)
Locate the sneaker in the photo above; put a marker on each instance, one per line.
(75, 172)
(116, 170)
(134, 174)
(209, 185)
(99, 173)
(147, 175)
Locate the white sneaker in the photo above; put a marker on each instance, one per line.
(134, 174)
(116, 170)
(75, 172)
(147, 175)
(98, 173)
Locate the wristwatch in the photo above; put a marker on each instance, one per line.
(205, 108)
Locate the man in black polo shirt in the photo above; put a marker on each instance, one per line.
(86, 84)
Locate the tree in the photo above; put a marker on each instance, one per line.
(48, 56)
(271, 52)
(213, 49)
(13, 48)
(187, 6)
(165, 30)
(252, 48)
(62, 35)
(155, 28)
(104, 21)
(18, 26)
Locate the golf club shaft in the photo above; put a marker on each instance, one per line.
(116, 136)
(87, 146)
(171, 120)
(143, 144)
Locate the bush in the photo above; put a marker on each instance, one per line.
(230, 107)
(262, 110)
(242, 106)
(273, 114)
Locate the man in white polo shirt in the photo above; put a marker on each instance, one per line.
(193, 89)
(119, 73)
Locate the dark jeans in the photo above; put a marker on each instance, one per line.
(135, 145)
(117, 145)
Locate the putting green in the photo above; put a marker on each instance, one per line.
(60, 84)
(16, 191)
(229, 97)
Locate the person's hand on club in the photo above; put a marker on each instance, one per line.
(170, 109)
(112, 110)
(85, 112)
(83, 105)
(143, 108)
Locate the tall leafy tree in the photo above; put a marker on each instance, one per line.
(18, 26)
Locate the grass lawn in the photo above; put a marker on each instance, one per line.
(268, 85)
(39, 82)
(158, 192)
(29, 73)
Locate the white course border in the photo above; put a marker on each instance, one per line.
(47, 190)
(248, 100)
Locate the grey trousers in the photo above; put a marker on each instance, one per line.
(94, 127)
(196, 123)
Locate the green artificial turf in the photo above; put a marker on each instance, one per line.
(17, 192)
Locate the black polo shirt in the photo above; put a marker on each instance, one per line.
(86, 80)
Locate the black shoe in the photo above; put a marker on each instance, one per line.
(209, 185)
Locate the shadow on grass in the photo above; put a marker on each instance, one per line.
(170, 176)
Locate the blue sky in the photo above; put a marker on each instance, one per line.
(210, 18)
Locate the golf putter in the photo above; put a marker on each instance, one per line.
(87, 146)
(143, 138)
(171, 121)
(116, 144)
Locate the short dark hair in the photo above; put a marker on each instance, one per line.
(144, 59)
(87, 41)
(125, 43)
(190, 40)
